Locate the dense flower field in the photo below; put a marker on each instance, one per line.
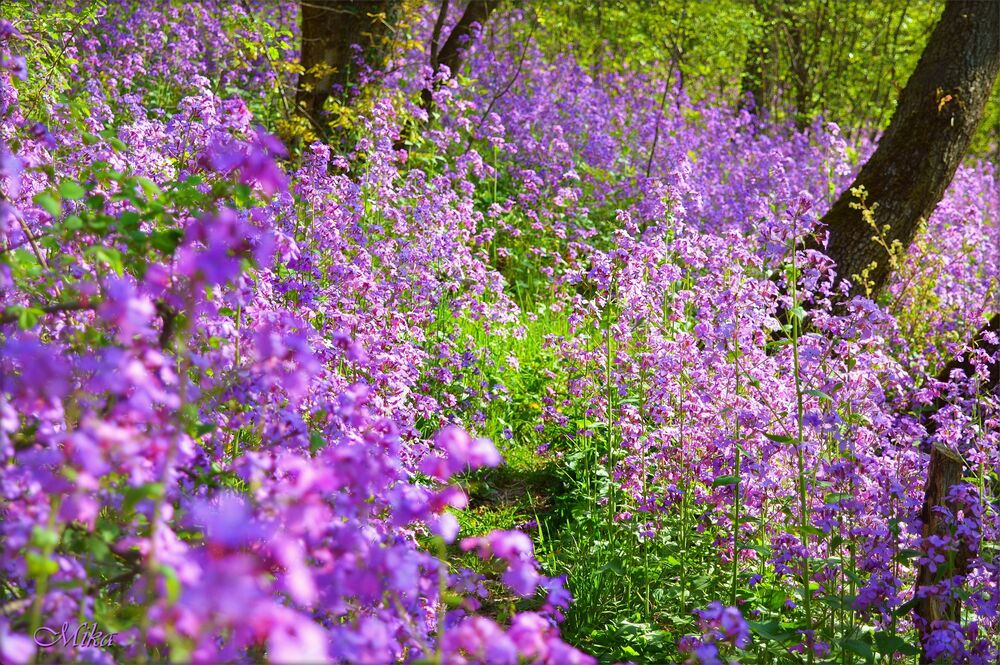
(245, 387)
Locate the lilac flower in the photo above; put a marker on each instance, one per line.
(708, 654)
(15, 649)
(8, 32)
(10, 171)
(295, 639)
(124, 308)
(42, 134)
(945, 640)
(558, 595)
(226, 520)
(17, 65)
(246, 417)
(724, 624)
(522, 579)
(464, 452)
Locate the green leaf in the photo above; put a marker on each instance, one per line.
(49, 203)
(612, 566)
(28, 317)
(134, 495)
(905, 608)
(889, 643)
(204, 428)
(97, 223)
(129, 220)
(818, 393)
(149, 188)
(171, 582)
(98, 548)
(40, 566)
(316, 441)
(108, 256)
(859, 648)
(166, 241)
(770, 631)
(780, 438)
(44, 538)
(71, 190)
(842, 603)
(725, 480)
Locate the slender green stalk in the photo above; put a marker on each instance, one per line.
(850, 524)
(152, 558)
(737, 471)
(642, 418)
(685, 488)
(799, 446)
(48, 546)
(609, 397)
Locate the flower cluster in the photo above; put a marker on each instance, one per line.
(213, 436)
(720, 625)
(241, 388)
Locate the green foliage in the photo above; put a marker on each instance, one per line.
(843, 61)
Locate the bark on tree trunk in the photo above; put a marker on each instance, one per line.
(936, 116)
(329, 30)
(947, 469)
(752, 76)
(450, 53)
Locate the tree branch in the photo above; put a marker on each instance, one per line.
(71, 306)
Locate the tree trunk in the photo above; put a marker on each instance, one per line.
(329, 30)
(936, 116)
(934, 122)
(450, 53)
(752, 76)
(947, 469)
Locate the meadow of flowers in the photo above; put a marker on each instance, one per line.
(252, 389)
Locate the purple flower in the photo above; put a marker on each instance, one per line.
(15, 649)
(226, 520)
(708, 654)
(724, 624)
(522, 578)
(10, 170)
(131, 313)
(8, 32)
(558, 595)
(465, 453)
(293, 638)
(17, 66)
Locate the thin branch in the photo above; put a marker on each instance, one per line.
(436, 36)
(506, 88)
(72, 306)
(659, 117)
